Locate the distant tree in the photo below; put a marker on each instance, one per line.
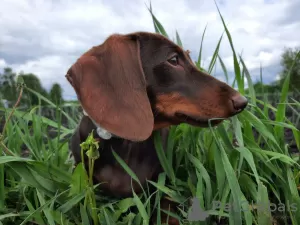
(8, 89)
(56, 94)
(287, 59)
(261, 88)
(34, 83)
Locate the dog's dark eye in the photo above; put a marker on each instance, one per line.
(174, 60)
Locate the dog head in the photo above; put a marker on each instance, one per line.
(136, 83)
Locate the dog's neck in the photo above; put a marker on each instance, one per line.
(106, 135)
(102, 133)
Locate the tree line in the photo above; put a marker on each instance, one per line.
(9, 93)
(288, 58)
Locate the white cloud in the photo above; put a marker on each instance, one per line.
(277, 77)
(45, 37)
(2, 63)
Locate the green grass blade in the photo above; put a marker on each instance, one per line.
(237, 69)
(224, 69)
(178, 40)
(214, 57)
(201, 47)
(280, 114)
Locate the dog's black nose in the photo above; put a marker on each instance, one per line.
(239, 102)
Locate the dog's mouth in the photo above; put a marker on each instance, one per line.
(196, 121)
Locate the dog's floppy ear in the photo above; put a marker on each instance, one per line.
(110, 84)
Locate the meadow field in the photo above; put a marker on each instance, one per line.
(249, 164)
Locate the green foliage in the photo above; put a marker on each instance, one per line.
(33, 82)
(243, 163)
(261, 88)
(8, 89)
(287, 59)
(56, 94)
(8, 86)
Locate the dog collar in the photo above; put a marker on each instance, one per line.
(104, 134)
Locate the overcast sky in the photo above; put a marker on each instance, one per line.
(45, 37)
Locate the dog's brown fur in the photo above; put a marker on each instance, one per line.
(132, 85)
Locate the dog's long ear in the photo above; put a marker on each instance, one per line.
(110, 84)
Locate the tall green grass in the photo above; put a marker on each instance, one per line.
(243, 163)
